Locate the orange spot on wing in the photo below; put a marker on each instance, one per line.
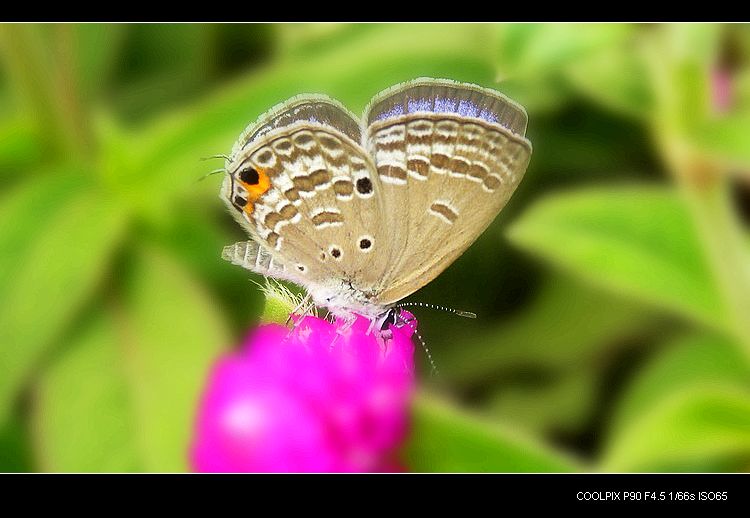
(255, 191)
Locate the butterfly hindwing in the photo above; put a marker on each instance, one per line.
(251, 256)
(319, 211)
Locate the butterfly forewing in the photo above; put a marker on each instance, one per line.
(445, 96)
(448, 160)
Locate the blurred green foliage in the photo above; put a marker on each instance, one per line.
(613, 291)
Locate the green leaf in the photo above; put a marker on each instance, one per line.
(701, 429)
(163, 65)
(537, 49)
(39, 64)
(741, 90)
(196, 239)
(95, 47)
(84, 420)
(726, 138)
(171, 331)
(57, 236)
(534, 59)
(693, 42)
(537, 93)
(446, 439)
(123, 396)
(543, 365)
(15, 447)
(562, 327)
(296, 40)
(637, 241)
(20, 148)
(560, 405)
(679, 59)
(616, 78)
(699, 359)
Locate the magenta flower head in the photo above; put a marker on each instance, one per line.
(318, 398)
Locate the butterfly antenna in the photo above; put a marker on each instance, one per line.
(225, 157)
(458, 312)
(433, 368)
(215, 171)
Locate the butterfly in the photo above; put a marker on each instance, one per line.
(364, 212)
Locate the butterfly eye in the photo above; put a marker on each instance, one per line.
(249, 176)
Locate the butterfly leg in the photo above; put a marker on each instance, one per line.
(373, 323)
(305, 302)
(348, 323)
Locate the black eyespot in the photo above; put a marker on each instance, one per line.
(364, 186)
(336, 253)
(239, 201)
(365, 243)
(301, 267)
(250, 176)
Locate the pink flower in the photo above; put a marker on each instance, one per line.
(307, 400)
(722, 89)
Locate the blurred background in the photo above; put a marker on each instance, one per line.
(613, 292)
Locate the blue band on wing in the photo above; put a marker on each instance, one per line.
(437, 97)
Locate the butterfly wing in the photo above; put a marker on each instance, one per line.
(448, 156)
(307, 193)
(252, 256)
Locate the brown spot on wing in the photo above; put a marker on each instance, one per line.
(329, 143)
(283, 145)
(292, 194)
(343, 188)
(391, 146)
(303, 184)
(320, 177)
(444, 210)
(392, 171)
(288, 211)
(419, 166)
(273, 239)
(265, 157)
(303, 138)
(271, 219)
(477, 171)
(439, 160)
(492, 182)
(327, 218)
(458, 165)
